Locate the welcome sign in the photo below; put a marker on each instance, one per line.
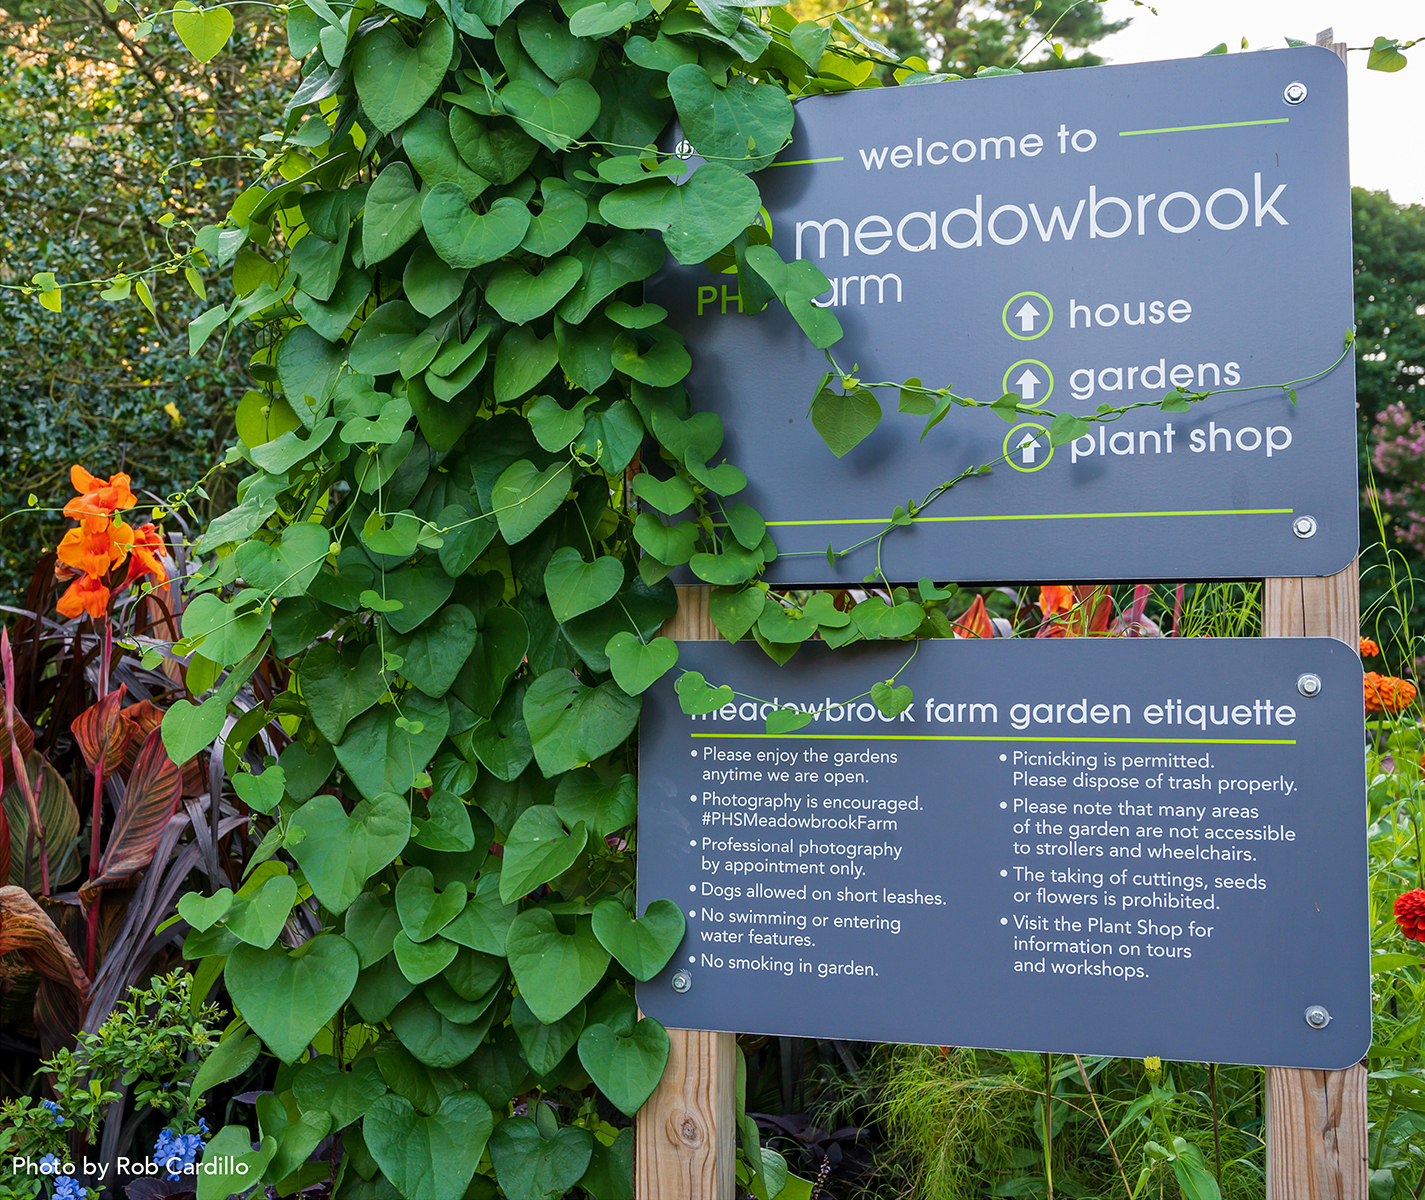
(1077, 238)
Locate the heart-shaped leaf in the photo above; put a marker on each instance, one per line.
(603, 807)
(446, 827)
(555, 119)
(520, 297)
(393, 79)
(381, 754)
(570, 724)
(371, 926)
(424, 912)
(287, 996)
(875, 618)
(531, 1167)
(225, 632)
(433, 655)
(890, 699)
(537, 851)
(744, 124)
(697, 217)
(485, 922)
(420, 961)
(670, 496)
(626, 1069)
(525, 497)
(574, 586)
(637, 666)
(432, 1037)
(295, 1139)
(336, 694)
(464, 238)
(554, 970)
(205, 31)
(340, 853)
(322, 1086)
(230, 1058)
(258, 918)
(392, 215)
(642, 947)
(558, 223)
(428, 1157)
(230, 1166)
(545, 1045)
(203, 912)
(735, 611)
(287, 568)
(844, 420)
(522, 362)
(697, 696)
(555, 51)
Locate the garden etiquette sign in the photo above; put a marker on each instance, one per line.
(1063, 240)
(1125, 846)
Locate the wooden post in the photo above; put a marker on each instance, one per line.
(685, 1146)
(1316, 1120)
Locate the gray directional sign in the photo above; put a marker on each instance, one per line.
(1102, 846)
(1078, 238)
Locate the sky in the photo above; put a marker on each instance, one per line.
(1387, 110)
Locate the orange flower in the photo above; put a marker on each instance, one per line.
(1386, 693)
(95, 546)
(974, 622)
(148, 544)
(1368, 648)
(96, 497)
(85, 594)
(1055, 598)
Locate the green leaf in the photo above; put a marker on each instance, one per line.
(574, 586)
(288, 996)
(624, 258)
(433, 655)
(371, 927)
(225, 632)
(428, 144)
(642, 947)
(603, 807)
(636, 665)
(1385, 55)
(554, 426)
(447, 827)
(844, 420)
(522, 362)
(428, 1157)
(331, 317)
(744, 124)
(626, 1069)
(335, 694)
(570, 724)
(733, 566)
(496, 150)
(668, 544)
(205, 31)
(393, 213)
(296, 1139)
(485, 922)
(545, 1045)
(734, 612)
(890, 699)
(420, 961)
(424, 912)
(384, 336)
(787, 720)
(393, 79)
(464, 238)
(504, 639)
(611, 437)
(558, 223)
(380, 755)
(1065, 428)
(230, 1166)
(556, 120)
(203, 912)
(520, 297)
(696, 696)
(501, 743)
(669, 496)
(287, 568)
(875, 618)
(537, 851)
(322, 1086)
(230, 1058)
(340, 853)
(525, 497)
(698, 217)
(258, 918)
(809, 42)
(554, 49)
(661, 364)
(554, 970)
(531, 1167)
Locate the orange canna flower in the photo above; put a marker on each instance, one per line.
(96, 545)
(148, 545)
(1386, 693)
(98, 498)
(1055, 598)
(1368, 648)
(85, 594)
(974, 622)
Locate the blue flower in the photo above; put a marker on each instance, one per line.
(54, 1108)
(66, 1187)
(49, 1164)
(177, 1151)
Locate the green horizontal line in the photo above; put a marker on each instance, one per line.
(1209, 512)
(950, 737)
(806, 162)
(1192, 128)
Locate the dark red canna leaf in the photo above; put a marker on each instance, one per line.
(102, 734)
(28, 931)
(26, 737)
(152, 796)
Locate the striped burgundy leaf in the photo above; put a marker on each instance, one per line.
(26, 737)
(152, 796)
(102, 734)
(27, 930)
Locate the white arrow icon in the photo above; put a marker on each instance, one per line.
(1027, 315)
(1027, 383)
(1028, 444)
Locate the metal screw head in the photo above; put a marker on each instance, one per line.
(1304, 527)
(1317, 1017)
(1295, 92)
(683, 981)
(1309, 684)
